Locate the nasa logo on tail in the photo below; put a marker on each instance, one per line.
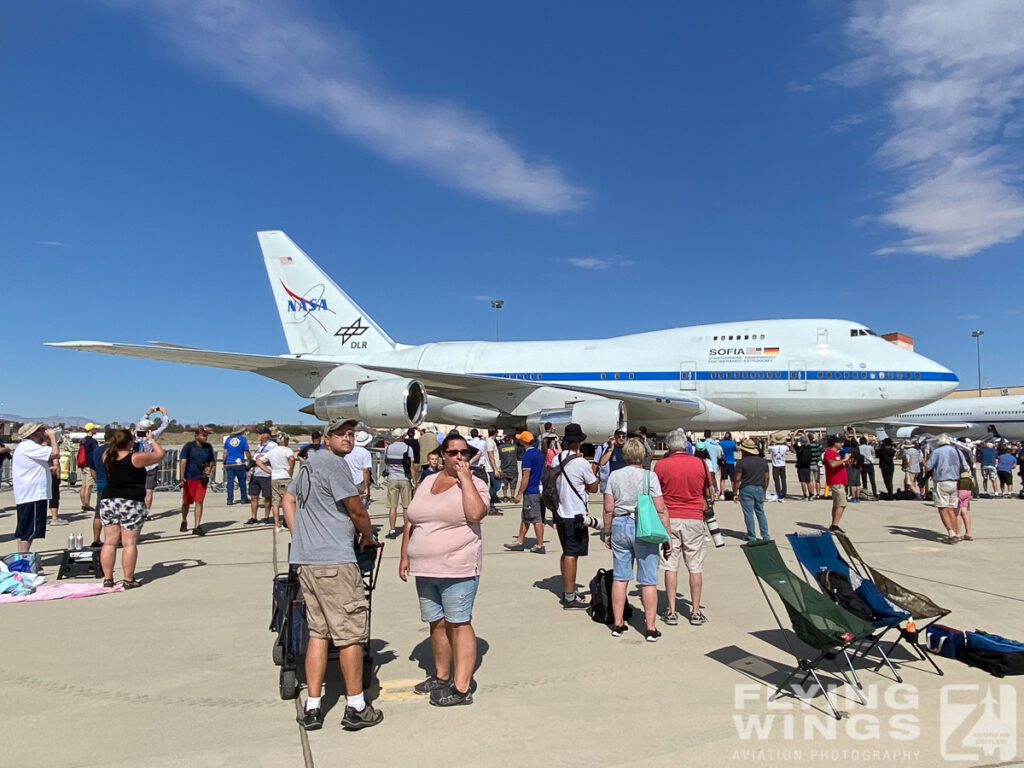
(347, 332)
(313, 303)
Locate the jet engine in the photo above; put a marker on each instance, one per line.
(384, 403)
(598, 418)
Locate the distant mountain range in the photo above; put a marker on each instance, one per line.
(71, 421)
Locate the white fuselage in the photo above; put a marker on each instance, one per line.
(973, 417)
(762, 375)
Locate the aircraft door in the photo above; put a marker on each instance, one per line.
(688, 375)
(797, 376)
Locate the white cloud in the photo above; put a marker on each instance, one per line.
(966, 317)
(50, 243)
(850, 121)
(285, 57)
(600, 265)
(955, 74)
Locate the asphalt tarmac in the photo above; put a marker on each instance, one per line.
(179, 672)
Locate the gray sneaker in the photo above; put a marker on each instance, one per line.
(430, 684)
(576, 603)
(356, 721)
(538, 549)
(449, 697)
(517, 547)
(670, 617)
(697, 618)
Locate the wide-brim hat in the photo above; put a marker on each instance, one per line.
(574, 433)
(399, 433)
(748, 446)
(779, 439)
(27, 430)
(363, 438)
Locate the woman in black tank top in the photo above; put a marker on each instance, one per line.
(122, 507)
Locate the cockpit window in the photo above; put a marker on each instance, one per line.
(862, 332)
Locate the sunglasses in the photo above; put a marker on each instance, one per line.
(342, 434)
(457, 453)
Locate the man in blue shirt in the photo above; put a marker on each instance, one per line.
(988, 469)
(608, 458)
(195, 463)
(1004, 466)
(529, 495)
(236, 454)
(728, 447)
(946, 464)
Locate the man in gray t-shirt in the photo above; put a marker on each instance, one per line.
(401, 474)
(323, 511)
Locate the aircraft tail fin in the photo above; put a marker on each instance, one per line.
(318, 317)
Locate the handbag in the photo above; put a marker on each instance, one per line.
(648, 524)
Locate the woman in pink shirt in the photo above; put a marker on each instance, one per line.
(442, 548)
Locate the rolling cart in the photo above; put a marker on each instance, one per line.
(288, 620)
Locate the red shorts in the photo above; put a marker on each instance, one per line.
(194, 491)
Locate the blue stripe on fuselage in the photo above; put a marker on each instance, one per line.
(730, 375)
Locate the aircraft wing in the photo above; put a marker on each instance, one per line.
(301, 375)
(506, 394)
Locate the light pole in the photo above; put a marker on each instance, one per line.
(977, 337)
(496, 305)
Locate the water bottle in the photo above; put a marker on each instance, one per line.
(71, 541)
(79, 541)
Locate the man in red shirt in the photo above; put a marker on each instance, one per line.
(686, 489)
(835, 479)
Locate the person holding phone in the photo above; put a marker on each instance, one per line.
(122, 504)
(443, 549)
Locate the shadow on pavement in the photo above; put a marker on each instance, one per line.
(772, 674)
(169, 568)
(552, 584)
(916, 533)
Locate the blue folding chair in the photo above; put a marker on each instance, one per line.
(817, 552)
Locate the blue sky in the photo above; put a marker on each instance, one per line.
(603, 169)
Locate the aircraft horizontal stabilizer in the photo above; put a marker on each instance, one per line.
(301, 375)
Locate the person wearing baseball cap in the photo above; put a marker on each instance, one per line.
(89, 444)
(30, 476)
(327, 520)
(529, 495)
(195, 464)
(259, 479)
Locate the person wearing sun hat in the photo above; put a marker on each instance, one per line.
(30, 476)
(749, 483)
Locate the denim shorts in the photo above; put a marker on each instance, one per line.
(626, 548)
(450, 599)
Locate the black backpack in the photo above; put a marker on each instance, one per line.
(601, 599)
(839, 588)
(549, 482)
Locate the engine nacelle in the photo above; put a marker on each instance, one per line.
(597, 418)
(385, 403)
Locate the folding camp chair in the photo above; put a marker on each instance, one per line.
(922, 609)
(816, 552)
(815, 619)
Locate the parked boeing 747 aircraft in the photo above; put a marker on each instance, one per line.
(973, 417)
(751, 375)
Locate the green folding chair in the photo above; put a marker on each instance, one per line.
(922, 609)
(815, 619)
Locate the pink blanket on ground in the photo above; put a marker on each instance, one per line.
(60, 590)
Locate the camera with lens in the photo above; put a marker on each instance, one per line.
(712, 522)
(588, 521)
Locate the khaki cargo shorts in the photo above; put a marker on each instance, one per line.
(336, 604)
(399, 493)
(687, 539)
(838, 493)
(277, 489)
